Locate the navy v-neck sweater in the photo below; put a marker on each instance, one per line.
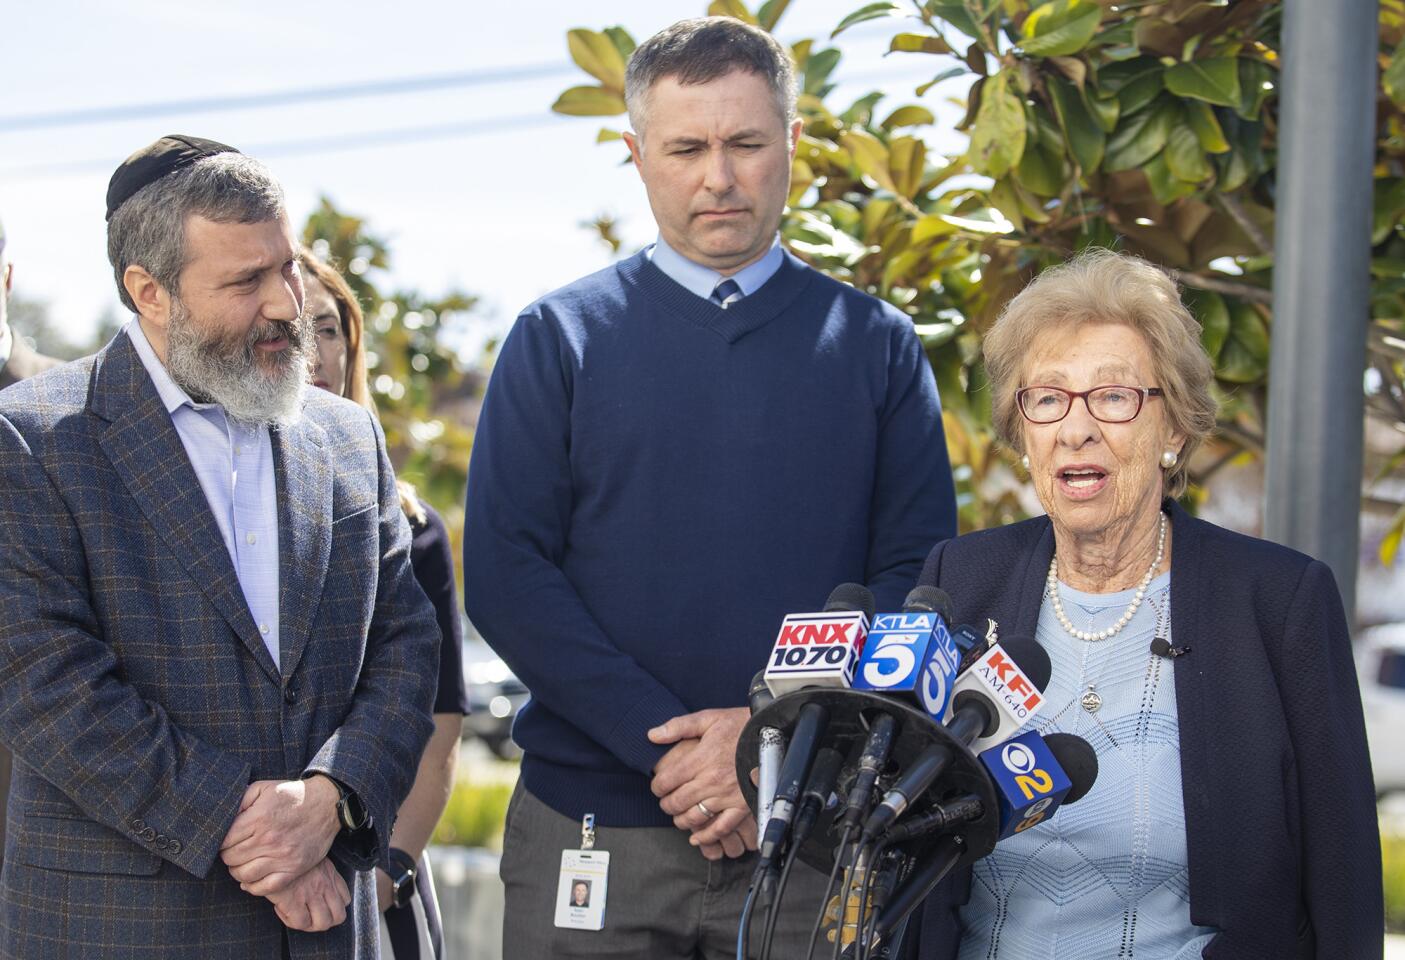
(656, 481)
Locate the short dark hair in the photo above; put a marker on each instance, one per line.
(702, 50)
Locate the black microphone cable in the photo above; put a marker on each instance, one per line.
(844, 887)
(940, 817)
(773, 912)
(861, 859)
(864, 919)
(744, 926)
(844, 839)
(818, 788)
(875, 849)
(875, 880)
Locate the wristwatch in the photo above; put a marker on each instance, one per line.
(402, 877)
(351, 810)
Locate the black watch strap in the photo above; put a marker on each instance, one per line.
(402, 876)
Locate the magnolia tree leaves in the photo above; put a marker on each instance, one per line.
(603, 55)
(998, 136)
(1141, 126)
(1060, 28)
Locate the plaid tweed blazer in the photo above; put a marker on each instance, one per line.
(137, 694)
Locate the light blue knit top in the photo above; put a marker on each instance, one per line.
(1105, 877)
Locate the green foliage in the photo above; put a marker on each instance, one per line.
(998, 137)
(1145, 126)
(423, 395)
(1393, 858)
(474, 815)
(1059, 28)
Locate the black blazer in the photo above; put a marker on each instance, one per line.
(1281, 832)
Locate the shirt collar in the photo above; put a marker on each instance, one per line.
(702, 280)
(171, 394)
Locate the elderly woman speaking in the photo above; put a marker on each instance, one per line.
(1233, 814)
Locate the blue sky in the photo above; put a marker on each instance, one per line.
(495, 208)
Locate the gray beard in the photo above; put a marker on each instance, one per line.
(228, 372)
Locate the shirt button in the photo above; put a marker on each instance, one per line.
(251, 539)
(263, 628)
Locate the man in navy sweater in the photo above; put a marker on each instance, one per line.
(672, 454)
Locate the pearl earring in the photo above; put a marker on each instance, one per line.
(1024, 462)
(1169, 459)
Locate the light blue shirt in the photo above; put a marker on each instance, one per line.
(234, 464)
(702, 280)
(1105, 877)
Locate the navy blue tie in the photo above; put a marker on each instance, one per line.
(726, 293)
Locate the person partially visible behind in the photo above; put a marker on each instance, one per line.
(1233, 814)
(18, 361)
(410, 922)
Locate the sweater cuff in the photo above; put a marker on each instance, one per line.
(629, 740)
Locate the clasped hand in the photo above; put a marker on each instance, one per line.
(277, 848)
(701, 768)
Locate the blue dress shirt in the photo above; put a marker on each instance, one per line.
(234, 464)
(703, 280)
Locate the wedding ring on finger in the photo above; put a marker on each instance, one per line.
(705, 811)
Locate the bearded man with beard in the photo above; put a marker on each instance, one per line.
(211, 734)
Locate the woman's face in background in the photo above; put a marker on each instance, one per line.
(330, 359)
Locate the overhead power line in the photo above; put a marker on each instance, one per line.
(312, 145)
(466, 129)
(372, 88)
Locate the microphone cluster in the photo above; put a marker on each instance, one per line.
(889, 753)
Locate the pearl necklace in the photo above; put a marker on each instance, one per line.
(1126, 618)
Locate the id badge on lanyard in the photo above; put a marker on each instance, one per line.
(580, 892)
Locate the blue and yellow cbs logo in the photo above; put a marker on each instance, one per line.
(1031, 783)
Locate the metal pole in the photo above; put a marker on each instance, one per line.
(1321, 282)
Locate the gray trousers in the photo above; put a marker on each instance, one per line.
(665, 901)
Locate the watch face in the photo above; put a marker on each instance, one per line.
(353, 812)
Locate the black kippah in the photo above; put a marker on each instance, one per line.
(154, 161)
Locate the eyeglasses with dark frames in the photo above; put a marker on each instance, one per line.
(1110, 403)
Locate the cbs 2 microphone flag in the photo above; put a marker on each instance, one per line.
(1029, 782)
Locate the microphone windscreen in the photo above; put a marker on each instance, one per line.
(851, 596)
(925, 599)
(823, 774)
(1030, 657)
(1079, 761)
